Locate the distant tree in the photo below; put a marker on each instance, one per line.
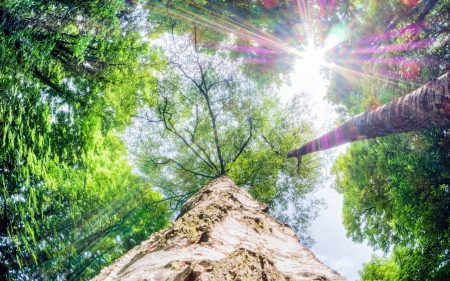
(394, 187)
(210, 120)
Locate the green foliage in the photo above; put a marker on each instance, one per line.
(71, 73)
(99, 212)
(24, 150)
(404, 264)
(93, 54)
(379, 269)
(265, 172)
(68, 208)
(396, 195)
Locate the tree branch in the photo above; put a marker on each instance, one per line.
(424, 108)
(55, 87)
(271, 145)
(172, 129)
(250, 120)
(216, 135)
(190, 171)
(366, 210)
(179, 197)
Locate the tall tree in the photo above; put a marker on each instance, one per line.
(390, 48)
(221, 234)
(425, 108)
(211, 120)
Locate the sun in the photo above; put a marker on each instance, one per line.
(307, 68)
(307, 79)
(311, 59)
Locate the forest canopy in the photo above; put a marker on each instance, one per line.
(187, 91)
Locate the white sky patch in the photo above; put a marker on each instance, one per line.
(306, 78)
(332, 245)
(339, 263)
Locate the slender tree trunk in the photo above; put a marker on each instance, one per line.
(221, 234)
(426, 108)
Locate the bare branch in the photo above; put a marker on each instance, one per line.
(218, 82)
(187, 76)
(250, 120)
(180, 197)
(190, 171)
(150, 120)
(271, 145)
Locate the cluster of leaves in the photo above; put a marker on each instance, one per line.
(396, 195)
(382, 269)
(211, 120)
(71, 72)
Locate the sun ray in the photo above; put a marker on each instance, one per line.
(238, 26)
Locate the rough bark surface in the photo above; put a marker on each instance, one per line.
(221, 234)
(426, 108)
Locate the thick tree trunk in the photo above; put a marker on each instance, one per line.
(221, 234)
(425, 108)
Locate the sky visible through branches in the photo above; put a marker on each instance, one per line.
(332, 52)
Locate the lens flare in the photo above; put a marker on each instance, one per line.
(410, 3)
(338, 34)
(311, 59)
(269, 4)
(410, 69)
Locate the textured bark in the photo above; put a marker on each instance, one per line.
(425, 108)
(221, 234)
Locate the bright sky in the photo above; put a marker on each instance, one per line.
(332, 246)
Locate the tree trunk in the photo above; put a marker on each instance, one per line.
(221, 234)
(425, 108)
